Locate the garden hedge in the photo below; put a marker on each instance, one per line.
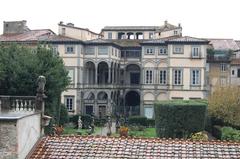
(179, 118)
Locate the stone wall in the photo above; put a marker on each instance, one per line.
(8, 139)
(18, 134)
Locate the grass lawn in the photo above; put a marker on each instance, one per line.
(71, 130)
(147, 132)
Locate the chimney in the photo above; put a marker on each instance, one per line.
(165, 22)
(15, 27)
(179, 25)
(61, 23)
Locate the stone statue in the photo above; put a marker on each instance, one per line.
(41, 84)
(109, 126)
(79, 122)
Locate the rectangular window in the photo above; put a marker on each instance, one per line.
(148, 111)
(55, 50)
(116, 51)
(150, 35)
(90, 50)
(163, 51)
(69, 49)
(223, 67)
(71, 75)
(109, 35)
(195, 77)
(175, 32)
(195, 52)
(102, 50)
(149, 76)
(63, 31)
(163, 77)
(223, 81)
(178, 49)
(233, 72)
(238, 73)
(177, 77)
(69, 102)
(149, 51)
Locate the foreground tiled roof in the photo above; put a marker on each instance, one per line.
(104, 147)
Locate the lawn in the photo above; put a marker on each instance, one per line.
(71, 130)
(147, 132)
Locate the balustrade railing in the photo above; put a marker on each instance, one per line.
(17, 103)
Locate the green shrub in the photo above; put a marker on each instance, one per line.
(64, 118)
(100, 122)
(137, 120)
(228, 133)
(179, 118)
(216, 131)
(86, 120)
(151, 122)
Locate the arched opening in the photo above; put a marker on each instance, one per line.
(90, 96)
(102, 96)
(133, 74)
(130, 35)
(103, 73)
(121, 35)
(90, 72)
(139, 35)
(132, 103)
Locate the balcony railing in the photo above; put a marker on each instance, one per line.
(212, 58)
(17, 103)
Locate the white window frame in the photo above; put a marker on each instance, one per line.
(73, 74)
(223, 67)
(101, 48)
(90, 50)
(178, 49)
(109, 33)
(69, 102)
(196, 52)
(162, 51)
(177, 76)
(195, 77)
(149, 76)
(70, 49)
(149, 51)
(55, 49)
(163, 77)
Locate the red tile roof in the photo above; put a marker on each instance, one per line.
(109, 147)
(235, 62)
(224, 44)
(32, 35)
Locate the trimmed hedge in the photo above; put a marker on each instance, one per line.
(137, 120)
(179, 118)
(86, 120)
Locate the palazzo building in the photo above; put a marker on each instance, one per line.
(126, 69)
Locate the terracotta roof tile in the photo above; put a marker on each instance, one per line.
(235, 62)
(105, 147)
(32, 35)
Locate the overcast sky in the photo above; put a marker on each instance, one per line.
(199, 18)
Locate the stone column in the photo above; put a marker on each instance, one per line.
(96, 76)
(109, 75)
